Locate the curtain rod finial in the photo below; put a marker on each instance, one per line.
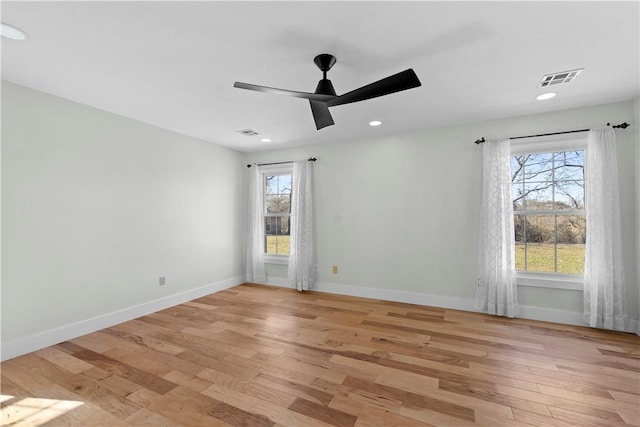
(249, 165)
(480, 141)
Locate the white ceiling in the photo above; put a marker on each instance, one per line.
(173, 64)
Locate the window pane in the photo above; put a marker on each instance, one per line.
(517, 168)
(278, 184)
(538, 195)
(518, 221)
(539, 167)
(517, 192)
(540, 242)
(569, 195)
(572, 229)
(270, 225)
(276, 225)
(540, 257)
(284, 184)
(569, 165)
(276, 229)
(278, 203)
(277, 245)
(571, 244)
(271, 183)
(283, 245)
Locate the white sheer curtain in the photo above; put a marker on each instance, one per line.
(301, 253)
(604, 292)
(496, 290)
(254, 265)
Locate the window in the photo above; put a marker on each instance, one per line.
(548, 204)
(277, 211)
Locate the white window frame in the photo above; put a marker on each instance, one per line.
(269, 170)
(547, 144)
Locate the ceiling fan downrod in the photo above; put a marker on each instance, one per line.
(324, 61)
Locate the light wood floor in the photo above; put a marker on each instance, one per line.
(260, 356)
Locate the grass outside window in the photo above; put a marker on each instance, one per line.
(540, 258)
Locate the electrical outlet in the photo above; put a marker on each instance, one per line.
(334, 269)
(162, 281)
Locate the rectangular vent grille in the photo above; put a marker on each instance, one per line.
(559, 78)
(247, 132)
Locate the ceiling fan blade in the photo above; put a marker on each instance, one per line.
(321, 114)
(306, 95)
(398, 82)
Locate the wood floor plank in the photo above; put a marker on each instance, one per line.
(584, 419)
(87, 413)
(135, 375)
(260, 356)
(301, 390)
(147, 418)
(573, 403)
(372, 416)
(412, 400)
(627, 411)
(238, 418)
(262, 408)
(482, 407)
(323, 413)
(64, 360)
(186, 407)
(192, 382)
(494, 396)
(534, 419)
(250, 388)
(625, 397)
(142, 340)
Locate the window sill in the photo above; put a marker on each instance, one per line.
(276, 259)
(550, 280)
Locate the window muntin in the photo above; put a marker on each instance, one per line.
(277, 212)
(549, 217)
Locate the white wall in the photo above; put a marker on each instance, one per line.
(399, 214)
(95, 207)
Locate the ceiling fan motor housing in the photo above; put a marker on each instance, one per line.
(325, 61)
(325, 87)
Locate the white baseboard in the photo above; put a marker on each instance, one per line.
(280, 282)
(455, 303)
(40, 340)
(23, 345)
(550, 315)
(397, 296)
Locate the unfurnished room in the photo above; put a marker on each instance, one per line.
(320, 213)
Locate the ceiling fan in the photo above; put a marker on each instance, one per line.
(325, 95)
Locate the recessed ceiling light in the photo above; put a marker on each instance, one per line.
(375, 123)
(265, 140)
(544, 96)
(11, 32)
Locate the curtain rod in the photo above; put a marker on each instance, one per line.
(620, 126)
(310, 159)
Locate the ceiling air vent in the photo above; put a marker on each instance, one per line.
(559, 78)
(247, 132)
